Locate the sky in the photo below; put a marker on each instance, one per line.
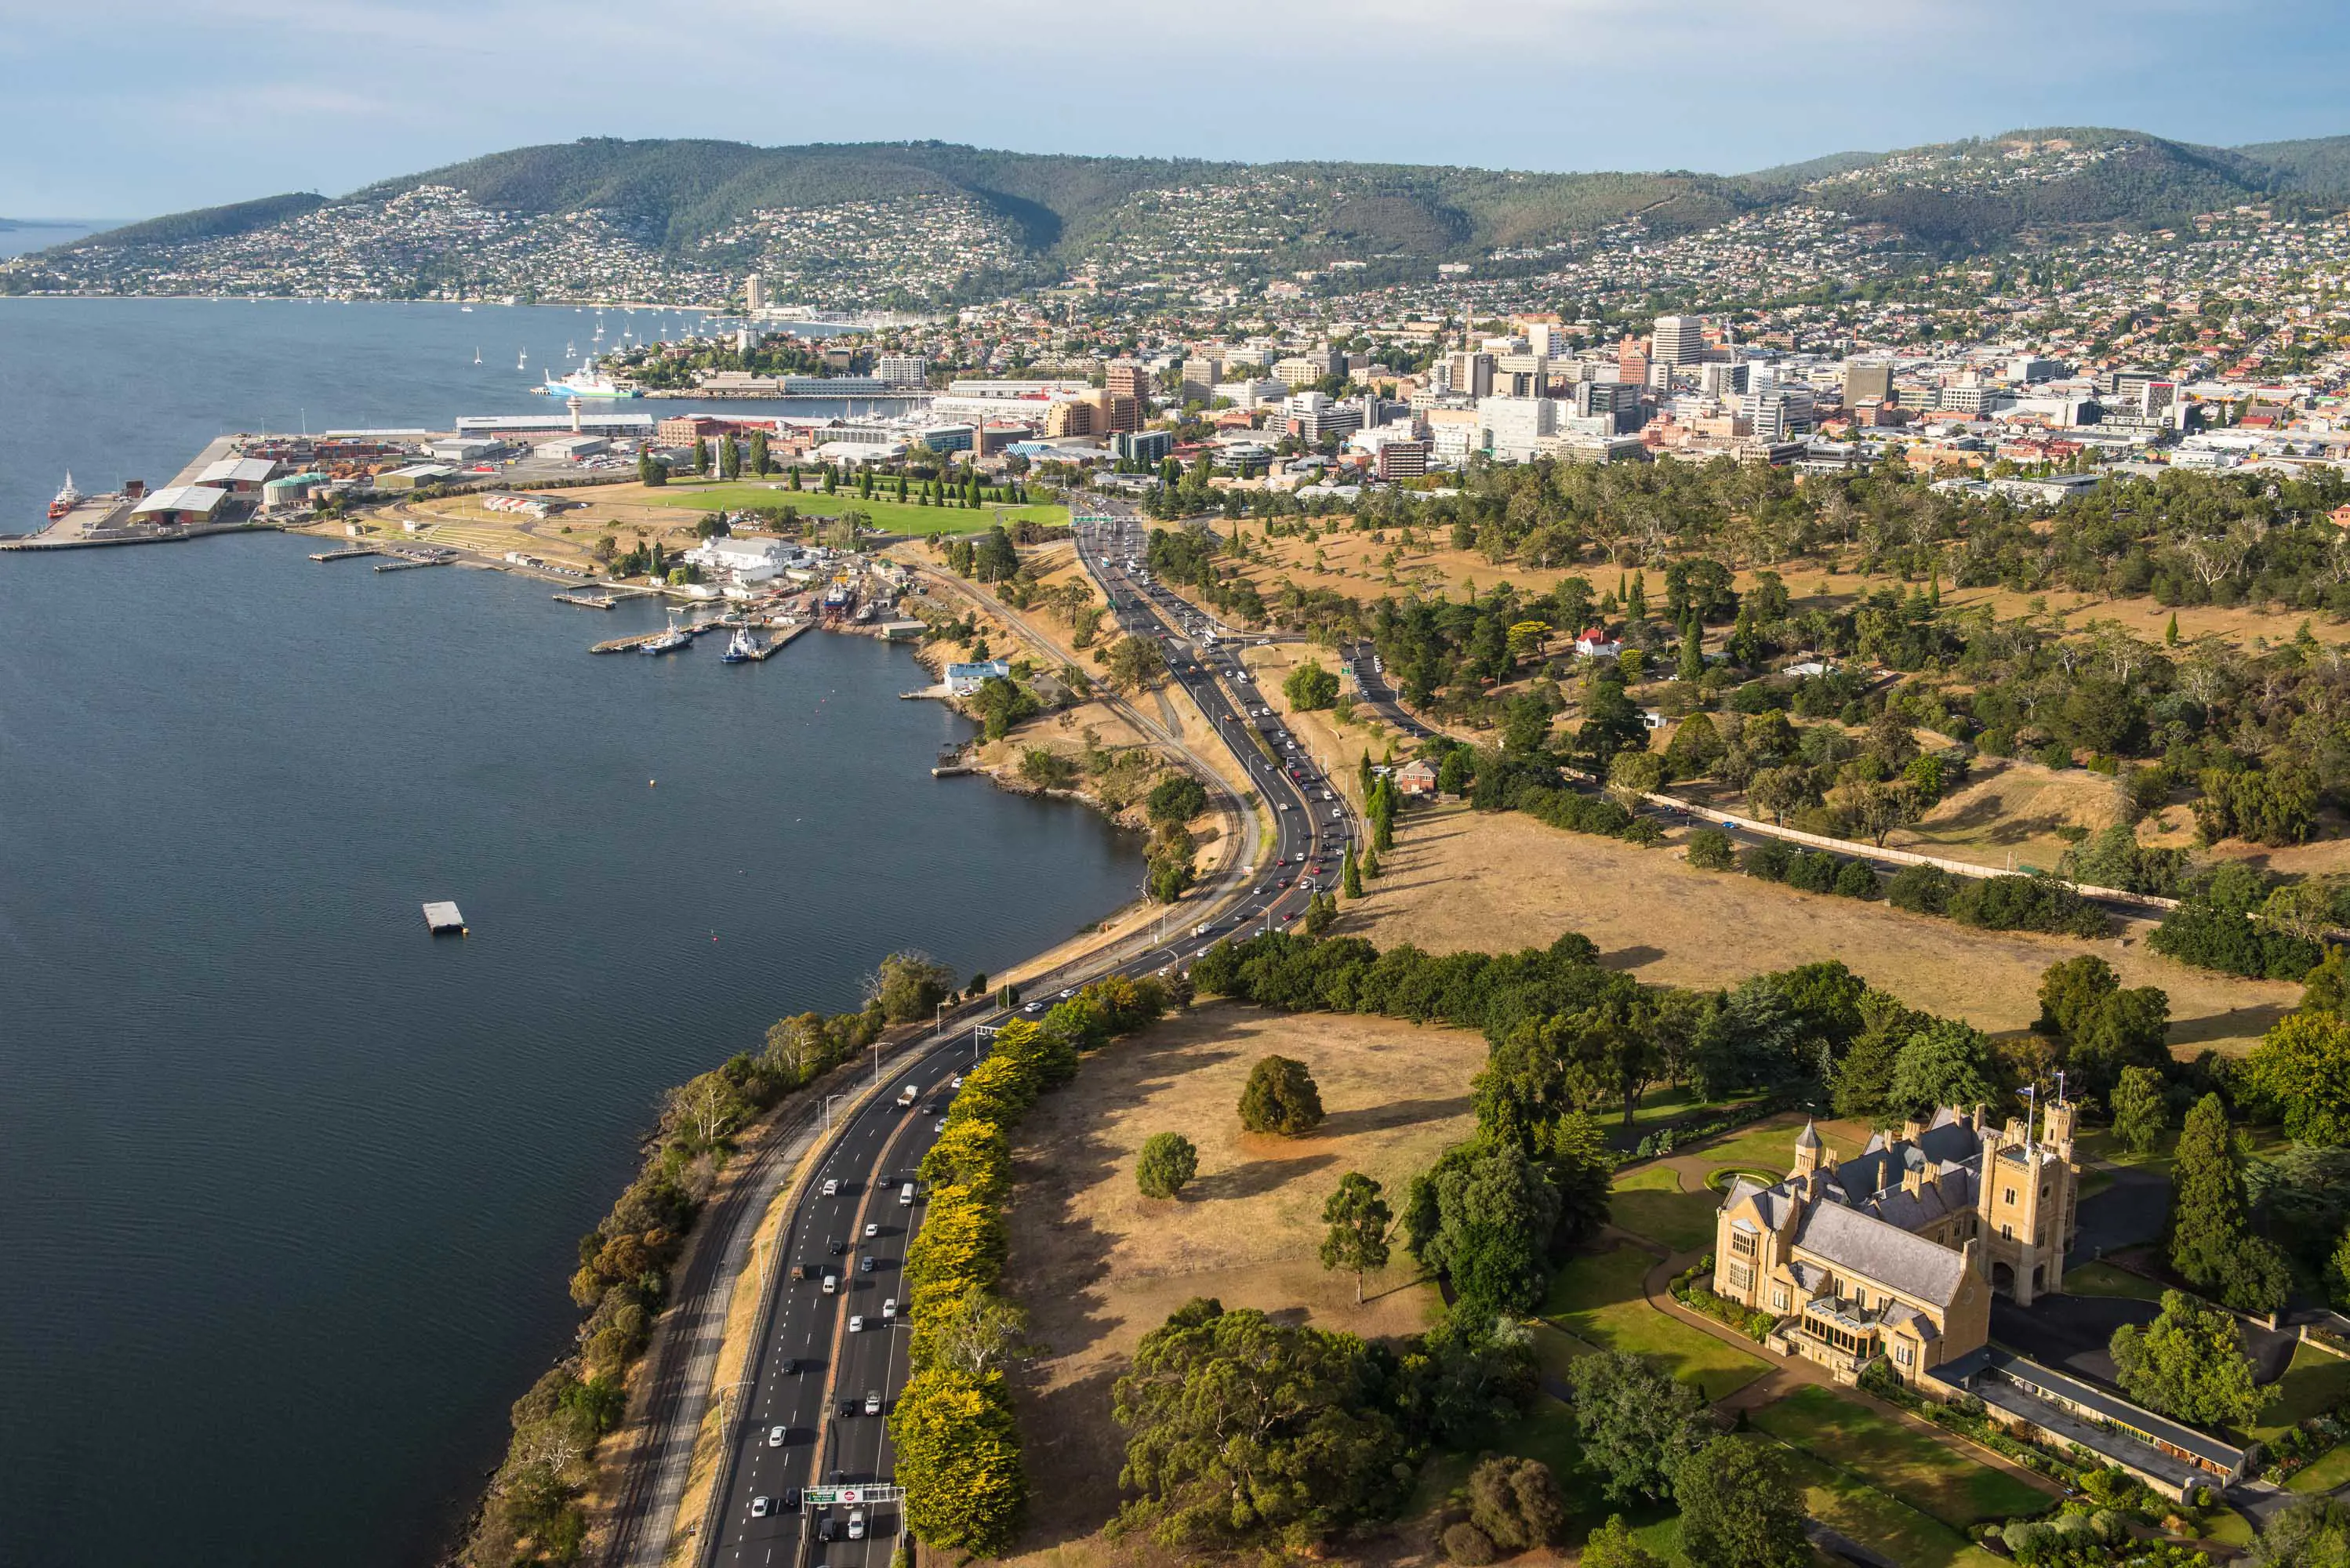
(127, 108)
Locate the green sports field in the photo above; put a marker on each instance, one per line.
(890, 516)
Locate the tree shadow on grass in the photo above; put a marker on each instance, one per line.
(2235, 1021)
(1254, 1179)
(1633, 957)
(1394, 1114)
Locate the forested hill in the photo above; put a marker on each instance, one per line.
(878, 221)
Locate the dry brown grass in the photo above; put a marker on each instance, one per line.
(1098, 1265)
(1461, 879)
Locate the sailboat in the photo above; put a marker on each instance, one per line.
(465, 310)
(521, 360)
(477, 355)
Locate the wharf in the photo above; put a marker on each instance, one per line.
(349, 553)
(589, 602)
(406, 561)
(777, 643)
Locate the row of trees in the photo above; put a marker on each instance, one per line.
(958, 1443)
(532, 1512)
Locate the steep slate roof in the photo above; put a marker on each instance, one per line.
(1883, 1253)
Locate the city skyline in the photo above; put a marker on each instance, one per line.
(328, 97)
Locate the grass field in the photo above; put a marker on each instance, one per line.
(2315, 1383)
(1486, 881)
(891, 516)
(2104, 1280)
(1597, 1299)
(1648, 1202)
(1772, 1145)
(1873, 1518)
(1895, 1458)
(2330, 1470)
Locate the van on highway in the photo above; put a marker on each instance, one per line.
(831, 1188)
(907, 1096)
(906, 1196)
(831, 1281)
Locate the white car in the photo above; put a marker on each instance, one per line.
(871, 1230)
(955, 1082)
(856, 1324)
(857, 1525)
(759, 1506)
(831, 1188)
(774, 1436)
(889, 1310)
(872, 1403)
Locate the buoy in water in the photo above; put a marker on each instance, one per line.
(652, 784)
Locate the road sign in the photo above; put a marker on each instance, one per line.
(851, 1496)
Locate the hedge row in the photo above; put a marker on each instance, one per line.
(959, 1447)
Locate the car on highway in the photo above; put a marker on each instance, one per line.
(847, 1407)
(826, 1530)
(1068, 992)
(857, 1525)
(872, 1402)
(857, 1323)
(955, 1082)
(939, 1126)
(871, 1230)
(865, 1264)
(759, 1507)
(838, 1246)
(889, 1310)
(1033, 1007)
(791, 1365)
(831, 1282)
(774, 1436)
(831, 1188)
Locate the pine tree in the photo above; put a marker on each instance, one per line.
(1350, 875)
(1371, 860)
(2212, 1243)
(1637, 606)
(1692, 652)
(2170, 632)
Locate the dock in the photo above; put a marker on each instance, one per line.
(349, 553)
(588, 601)
(777, 643)
(442, 918)
(628, 644)
(409, 560)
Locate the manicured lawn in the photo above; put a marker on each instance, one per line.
(1554, 1347)
(889, 515)
(1771, 1146)
(1884, 1523)
(1721, 1177)
(2104, 1280)
(2313, 1385)
(1648, 1202)
(1898, 1460)
(2228, 1528)
(1597, 1299)
(2330, 1470)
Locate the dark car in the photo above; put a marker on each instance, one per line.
(791, 1365)
(848, 1407)
(823, 1529)
(865, 1264)
(839, 1248)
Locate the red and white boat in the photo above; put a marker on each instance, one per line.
(66, 500)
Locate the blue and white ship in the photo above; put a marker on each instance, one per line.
(590, 383)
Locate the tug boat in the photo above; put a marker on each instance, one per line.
(741, 650)
(66, 499)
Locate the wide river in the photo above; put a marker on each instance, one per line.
(289, 1189)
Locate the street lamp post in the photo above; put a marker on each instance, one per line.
(828, 1099)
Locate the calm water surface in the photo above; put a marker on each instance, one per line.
(289, 1190)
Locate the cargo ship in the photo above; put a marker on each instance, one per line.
(66, 500)
(587, 384)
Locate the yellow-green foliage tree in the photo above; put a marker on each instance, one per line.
(959, 1460)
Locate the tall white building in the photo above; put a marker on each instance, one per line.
(1680, 340)
(754, 293)
(902, 369)
(1518, 424)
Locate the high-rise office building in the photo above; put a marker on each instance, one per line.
(754, 293)
(1200, 374)
(1129, 380)
(1473, 374)
(1867, 381)
(1679, 340)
